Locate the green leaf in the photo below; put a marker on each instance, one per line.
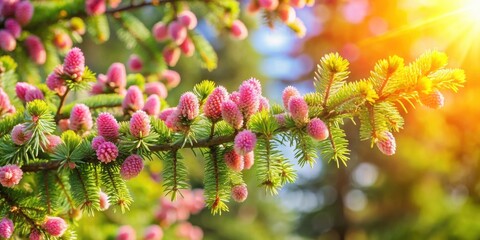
(97, 26)
(204, 52)
(203, 89)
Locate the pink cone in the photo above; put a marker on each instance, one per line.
(249, 100)
(21, 89)
(238, 30)
(213, 105)
(53, 142)
(6, 228)
(133, 100)
(13, 27)
(7, 41)
(166, 112)
(55, 81)
(239, 193)
(126, 232)
(171, 78)
(5, 104)
(23, 12)
(231, 114)
(107, 126)
(177, 32)
(107, 152)
(289, 92)
(187, 47)
(234, 161)
(317, 129)
(135, 63)
(153, 232)
(171, 55)
(160, 31)
(245, 142)
(264, 104)
(20, 135)
(117, 76)
(55, 226)
(104, 203)
(10, 175)
(35, 48)
(32, 94)
(140, 124)
(157, 88)
(386, 144)
(298, 109)
(152, 105)
(235, 97)
(74, 63)
(249, 160)
(80, 118)
(188, 106)
(187, 19)
(131, 167)
(97, 141)
(95, 7)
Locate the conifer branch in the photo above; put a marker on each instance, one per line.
(17, 209)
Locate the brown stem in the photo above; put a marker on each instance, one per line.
(60, 106)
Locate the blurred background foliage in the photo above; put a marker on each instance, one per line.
(429, 190)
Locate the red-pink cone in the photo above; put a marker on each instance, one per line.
(107, 126)
(286, 13)
(317, 129)
(7, 41)
(62, 40)
(20, 135)
(171, 55)
(178, 32)
(231, 114)
(298, 109)
(135, 63)
(74, 63)
(152, 105)
(55, 226)
(213, 104)
(240, 193)
(386, 143)
(187, 47)
(117, 76)
(6, 228)
(35, 48)
(188, 106)
(171, 78)
(140, 124)
(289, 92)
(268, 4)
(13, 27)
(133, 100)
(434, 100)
(80, 118)
(156, 88)
(245, 142)
(131, 167)
(95, 7)
(249, 160)
(107, 152)
(160, 31)
(10, 175)
(238, 30)
(187, 19)
(23, 12)
(234, 161)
